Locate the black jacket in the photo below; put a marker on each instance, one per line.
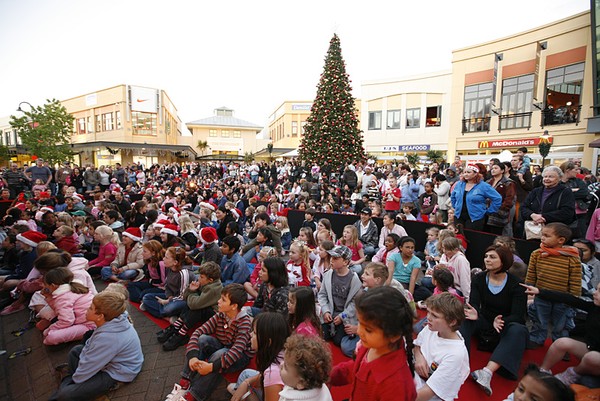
(552, 210)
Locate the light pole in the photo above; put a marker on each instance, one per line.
(27, 103)
(544, 146)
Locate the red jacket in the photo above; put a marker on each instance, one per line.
(68, 244)
(385, 379)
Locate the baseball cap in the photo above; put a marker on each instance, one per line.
(341, 251)
(366, 210)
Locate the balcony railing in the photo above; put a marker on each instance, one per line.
(562, 115)
(512, 121)
(476, 124)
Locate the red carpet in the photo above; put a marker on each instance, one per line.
(469, 391)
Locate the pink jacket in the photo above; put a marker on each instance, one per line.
(78, 267)
(70, 308)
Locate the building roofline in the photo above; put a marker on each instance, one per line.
(407, 78)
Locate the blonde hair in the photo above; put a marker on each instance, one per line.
(302, 249)
(186, 224)
(65, 218)
(261, 209)
(118, 288)
(378, 270)
(354, 240)
(67, 231)
(107, 232)
(110, 303)
(283, 221)
(443, 234)
(44, 247)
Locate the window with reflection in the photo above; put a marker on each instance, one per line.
(143, 123)
(517, 101)
(434, 116)
(374, 120)
(563, 94)
(476, 112)
(413, 118)
(393, 119)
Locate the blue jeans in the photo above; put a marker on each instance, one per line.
(337, 334)
(106, 273)
(248, 374)
(95, 386)
(543, 313)
(250, 254)
(138, 289)
(211, 350)
(370, 250)
(156, 309)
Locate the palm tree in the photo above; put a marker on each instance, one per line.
(202, 146)
(248, 157)
(435, 156)
(412, 159)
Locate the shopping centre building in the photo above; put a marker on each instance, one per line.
(506, 93)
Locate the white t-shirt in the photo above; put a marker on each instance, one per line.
(451, 361)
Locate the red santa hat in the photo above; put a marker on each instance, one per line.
(161, 223)
(284, 212)
(31, 238)
(47, 209)
(170, 229)
(208, 235)
(116, 190)
(207, 205)
(77, 198)
(237, 213)
(44, 194)
(134, 233)
(473, 167)
(21, 206)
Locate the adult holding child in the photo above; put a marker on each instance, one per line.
(473, 199)
(495, 313)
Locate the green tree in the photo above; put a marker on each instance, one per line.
(45, 131)
(436, 156)
(412, 159)
(331, 132)
(4, 154)
(202, 146)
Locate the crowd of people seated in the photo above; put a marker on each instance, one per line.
(208, 247)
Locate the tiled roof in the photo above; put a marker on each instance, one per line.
(225, 121)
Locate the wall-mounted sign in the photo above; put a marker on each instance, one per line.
(510, 143)
(413, 148)
(143, 99)
(301, 106)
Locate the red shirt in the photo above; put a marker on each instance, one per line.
(385, 378)
(392, 204)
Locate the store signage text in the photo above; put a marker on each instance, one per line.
(509, 143)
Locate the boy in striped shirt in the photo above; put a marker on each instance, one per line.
(552, 267)
(220, 345)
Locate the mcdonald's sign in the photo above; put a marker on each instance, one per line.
(509, 143)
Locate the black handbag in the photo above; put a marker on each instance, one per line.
(498, 219)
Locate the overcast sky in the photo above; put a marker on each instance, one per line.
(247, 55)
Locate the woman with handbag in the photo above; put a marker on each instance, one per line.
(497, 222)
(550, 203)
(581, 193)
(495, 314)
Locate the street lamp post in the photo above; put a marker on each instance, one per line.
(27, 103)
(544, 146)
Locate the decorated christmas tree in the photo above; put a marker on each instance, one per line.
(331, 132)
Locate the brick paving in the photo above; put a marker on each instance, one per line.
(31, 377)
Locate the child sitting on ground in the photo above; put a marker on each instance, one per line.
(273, 291)
(376, 275)
(385, 328)
(298, 266)
(441, 358)
(220, 345)
(65, 241)
(338, 311)
(251, 286)
(540, 386)
(201, 299)
(302, 312)
(234, 268)
(305, 369)
(322, 262)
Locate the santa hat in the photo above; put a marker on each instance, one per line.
(170, 229)
(21, 206)
(113, 180)
(174, 210)
(473, 167)
(47, 209)
(207, 205)
(284, 212)
(31, 238)
(236, 213)
(77, 198)
(161, 223)
(208, 235)
(134, 233)
(116, 190)
(44, 194)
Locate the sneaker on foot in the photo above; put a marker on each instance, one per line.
(175, 341)
(177, 394)
(142, 307)
(484, 379)
(568, 377)
(140, 276)
(165, 334)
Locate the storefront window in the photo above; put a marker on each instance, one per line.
(563, 94)
(143, 123)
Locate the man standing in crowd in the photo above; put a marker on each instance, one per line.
(62, 174)
(120, 175)
(15, 180)
(523, 181)
(39, 172)
(91, 178)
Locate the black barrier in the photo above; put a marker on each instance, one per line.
(477, 241)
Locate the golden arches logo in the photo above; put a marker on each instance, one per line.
(484, 144)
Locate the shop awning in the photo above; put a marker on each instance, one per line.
(181, 149)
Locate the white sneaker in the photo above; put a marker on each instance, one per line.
(142, 307)
(568, 377)
(484, 379)
(177, 394)
(139, 276)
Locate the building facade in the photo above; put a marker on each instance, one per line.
(286, 124)
(407, 115)
(126, 124)
(225, 135)
(507, 92)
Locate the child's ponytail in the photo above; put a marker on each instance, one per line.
(62, 275)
